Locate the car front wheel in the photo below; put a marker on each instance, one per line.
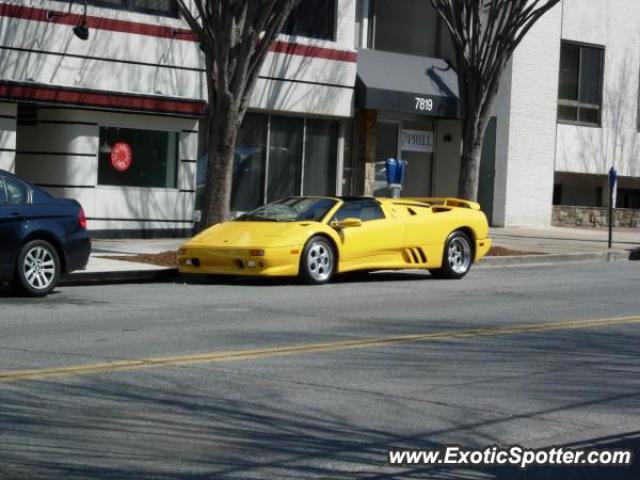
(318, 261)
(37, 269)
(457, 257)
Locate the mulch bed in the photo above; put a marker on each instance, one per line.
(507, 252)
(169, 259)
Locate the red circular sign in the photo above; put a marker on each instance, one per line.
(121, 156)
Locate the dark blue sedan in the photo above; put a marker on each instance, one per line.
(41, 237)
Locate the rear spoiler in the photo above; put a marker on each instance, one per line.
(446, 202)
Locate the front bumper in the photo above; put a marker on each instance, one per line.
(482, 248)
(276, 261)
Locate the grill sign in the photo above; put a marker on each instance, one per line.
(416, 141)
(121, 156)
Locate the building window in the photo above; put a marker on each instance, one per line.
(313, 19)
(138, 158)
(580, 88)
(167, 8)
(628, 198)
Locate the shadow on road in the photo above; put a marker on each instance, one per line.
(228, 424)
(351, 277)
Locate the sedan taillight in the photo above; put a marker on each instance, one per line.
(82, 219)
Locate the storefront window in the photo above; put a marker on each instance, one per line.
(285, 155)
(137, 158)
(320, 161)
(249, 164)
(275, 149)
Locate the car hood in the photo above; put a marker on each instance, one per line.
(252, 234)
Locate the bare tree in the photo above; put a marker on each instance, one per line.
(485, 34)
(235, 36)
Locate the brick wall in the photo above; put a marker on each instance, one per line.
(566, 216)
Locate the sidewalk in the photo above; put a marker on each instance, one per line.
(557, 240)
(557, 244)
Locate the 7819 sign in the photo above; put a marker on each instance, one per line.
(424, 104)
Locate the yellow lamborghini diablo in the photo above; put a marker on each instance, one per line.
(316, 237)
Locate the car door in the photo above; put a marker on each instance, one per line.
(376, 243)
(14, 199)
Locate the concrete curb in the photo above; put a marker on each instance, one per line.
(95, 278)
(168, 274)
(544, 259)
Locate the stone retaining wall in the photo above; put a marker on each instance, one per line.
(566, 216)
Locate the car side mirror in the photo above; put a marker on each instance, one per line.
(347, 222)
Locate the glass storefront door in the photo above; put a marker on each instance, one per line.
(411, 141)
(416, 148)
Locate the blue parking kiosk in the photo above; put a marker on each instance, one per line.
(395, 175)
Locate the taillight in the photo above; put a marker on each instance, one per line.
(82, 220)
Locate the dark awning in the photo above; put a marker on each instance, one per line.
(406, 83)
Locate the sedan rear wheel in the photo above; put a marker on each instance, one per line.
(37, 269)
(317, 262)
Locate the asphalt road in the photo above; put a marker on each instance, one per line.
(251, 379)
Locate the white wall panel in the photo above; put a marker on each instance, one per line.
(301, 98)
(532, 124)
(60, 138)
(309, 69)
(143, 203)
(7, 133)
(57, 169)
(188, 146)
(76, 72)
(7, 136)
(187, 176)
(8, 161)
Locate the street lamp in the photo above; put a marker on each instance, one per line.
(81, 30)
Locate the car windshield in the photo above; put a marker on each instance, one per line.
(292, 209)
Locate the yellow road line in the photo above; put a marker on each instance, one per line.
(212, 357)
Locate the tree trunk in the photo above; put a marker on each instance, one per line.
(221, 147)
(472, 141)
(477, 114)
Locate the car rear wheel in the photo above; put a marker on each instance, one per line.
(37, 269)
(457, 257)
(318, 261)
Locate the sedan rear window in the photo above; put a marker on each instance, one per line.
(16, 193)
(3, 193)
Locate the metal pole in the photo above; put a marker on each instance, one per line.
(610, 215)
